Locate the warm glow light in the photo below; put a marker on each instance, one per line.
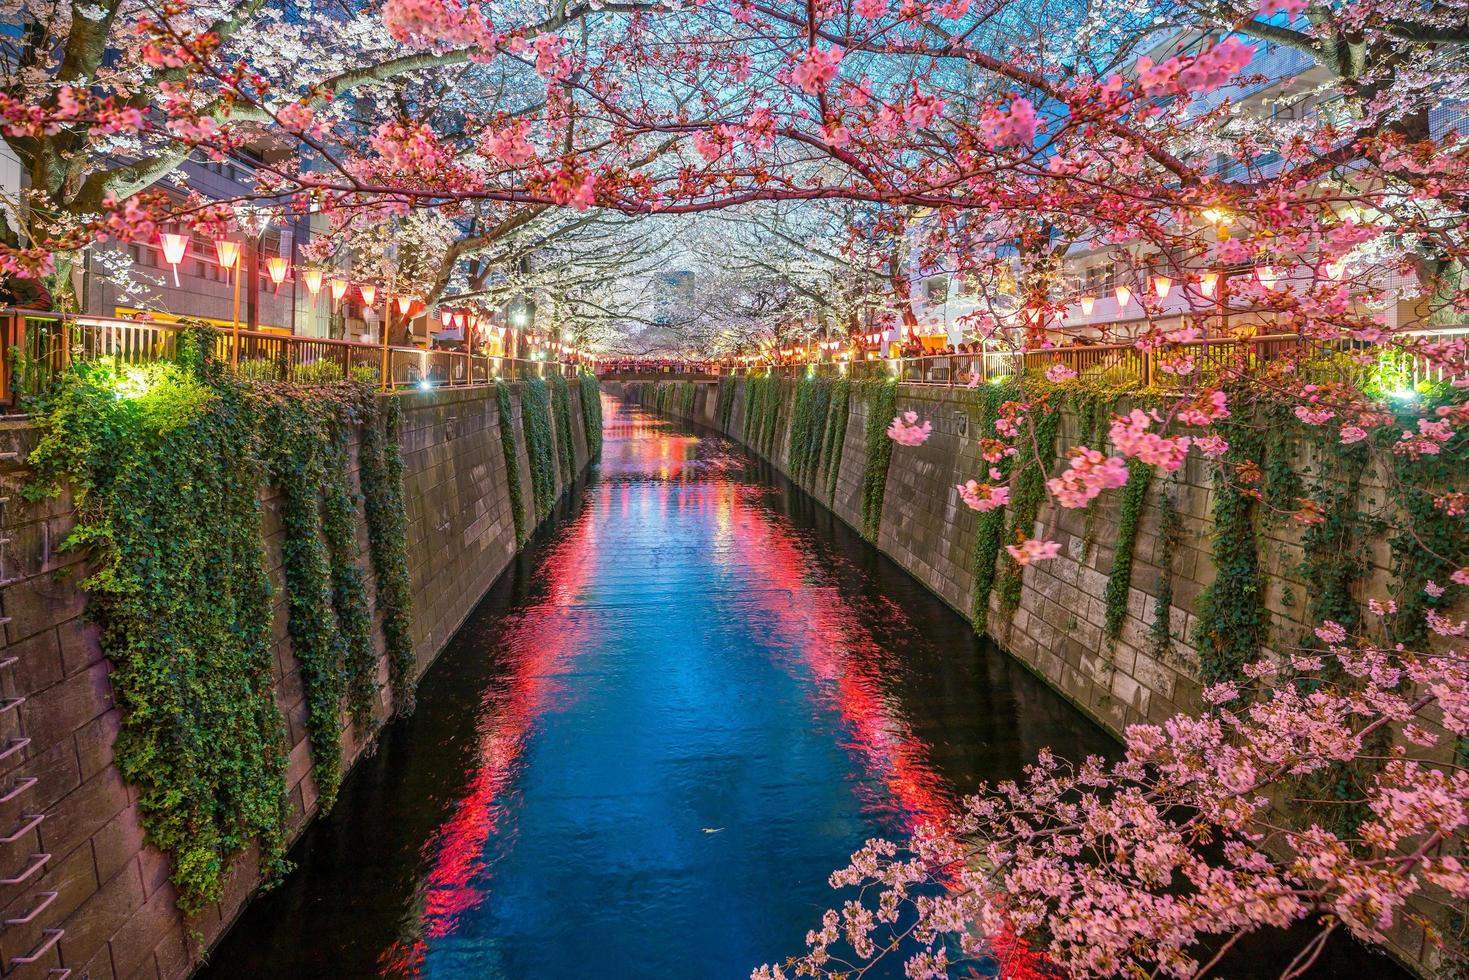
(277, 266)
(369, 294)
(228, 252)
(174, 247)
(447, 316)
(1162, 285)
(312, 278)
(339, 289)
(1208, 282)
(1218, 216)
(1124, 296)
(503, 331)
(405, 303)
(1334, 270)
(1266, 275)
(1087, 302)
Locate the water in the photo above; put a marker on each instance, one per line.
(685, 705)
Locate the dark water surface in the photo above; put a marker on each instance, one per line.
(691, 699)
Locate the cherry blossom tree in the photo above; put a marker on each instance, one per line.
(988, 137)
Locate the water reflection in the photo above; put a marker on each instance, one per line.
(642, 756)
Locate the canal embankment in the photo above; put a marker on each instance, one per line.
(1168, 582)
(80, 887)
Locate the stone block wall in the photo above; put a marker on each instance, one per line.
(91, 896)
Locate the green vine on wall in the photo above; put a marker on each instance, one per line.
(510, 449)
(882, 400)
(165, 463)
(535, 420)
(1028, 490)
(836, 434)
(565, 448)
(164, 468)
(1130, 509)
(349, 585)
(1231, 611)
(295, 444)
(1170, 528)
(724, 408)
(380, 461)
(989, 532)
(808, 425)
(591, 415)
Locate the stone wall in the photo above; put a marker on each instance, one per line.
(70, 824)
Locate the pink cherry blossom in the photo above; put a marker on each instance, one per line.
(984, 496)
(1032, 549)
(906, 431)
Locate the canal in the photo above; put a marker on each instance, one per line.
(687, 702)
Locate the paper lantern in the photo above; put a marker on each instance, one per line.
(174, 247)
(1124, 296)
(1208, 283)
(339, 290)
(1087, 302)
(369, 294)
(1267, 276)
(405, 303)
(1162, 285)
(277, 267)
(228, 252)
(312, 278)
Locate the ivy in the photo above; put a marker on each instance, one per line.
(565, 448)
(380, 461)
(510, 449)
(591, 416)
(535, 420)
(724, 407)
(1119, 582)
(1092, 413)
(836, 433)
(808, 425)
(1231, 611)
(349, 584)
(770, 422)
(1027, 492)
(990, 530)
(882, 400)
(1170, 527)
(295, 453)
(165, 485)
(1283, 487)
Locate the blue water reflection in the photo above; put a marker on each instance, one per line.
(652, 743)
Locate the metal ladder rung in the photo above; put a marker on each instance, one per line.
(16, 744)
(38, 861)
(46, 899)
(53, 936)
(30, 821)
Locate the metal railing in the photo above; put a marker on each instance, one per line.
(1123, 365)
(35, 347)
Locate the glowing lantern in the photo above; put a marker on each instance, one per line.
(313, 281)
(1162, 285)
(1124, 296)
(1087, 302)
(174, 247)
(503, 331)
(369, 294)
(277, 266)
(405, 303)
(339, 289)
(447, 316)
(228, 252)
(1208, 282)
(1334, 270)
(1266, 275)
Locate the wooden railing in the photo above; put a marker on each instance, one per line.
(35, 347)
(1125, 365)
